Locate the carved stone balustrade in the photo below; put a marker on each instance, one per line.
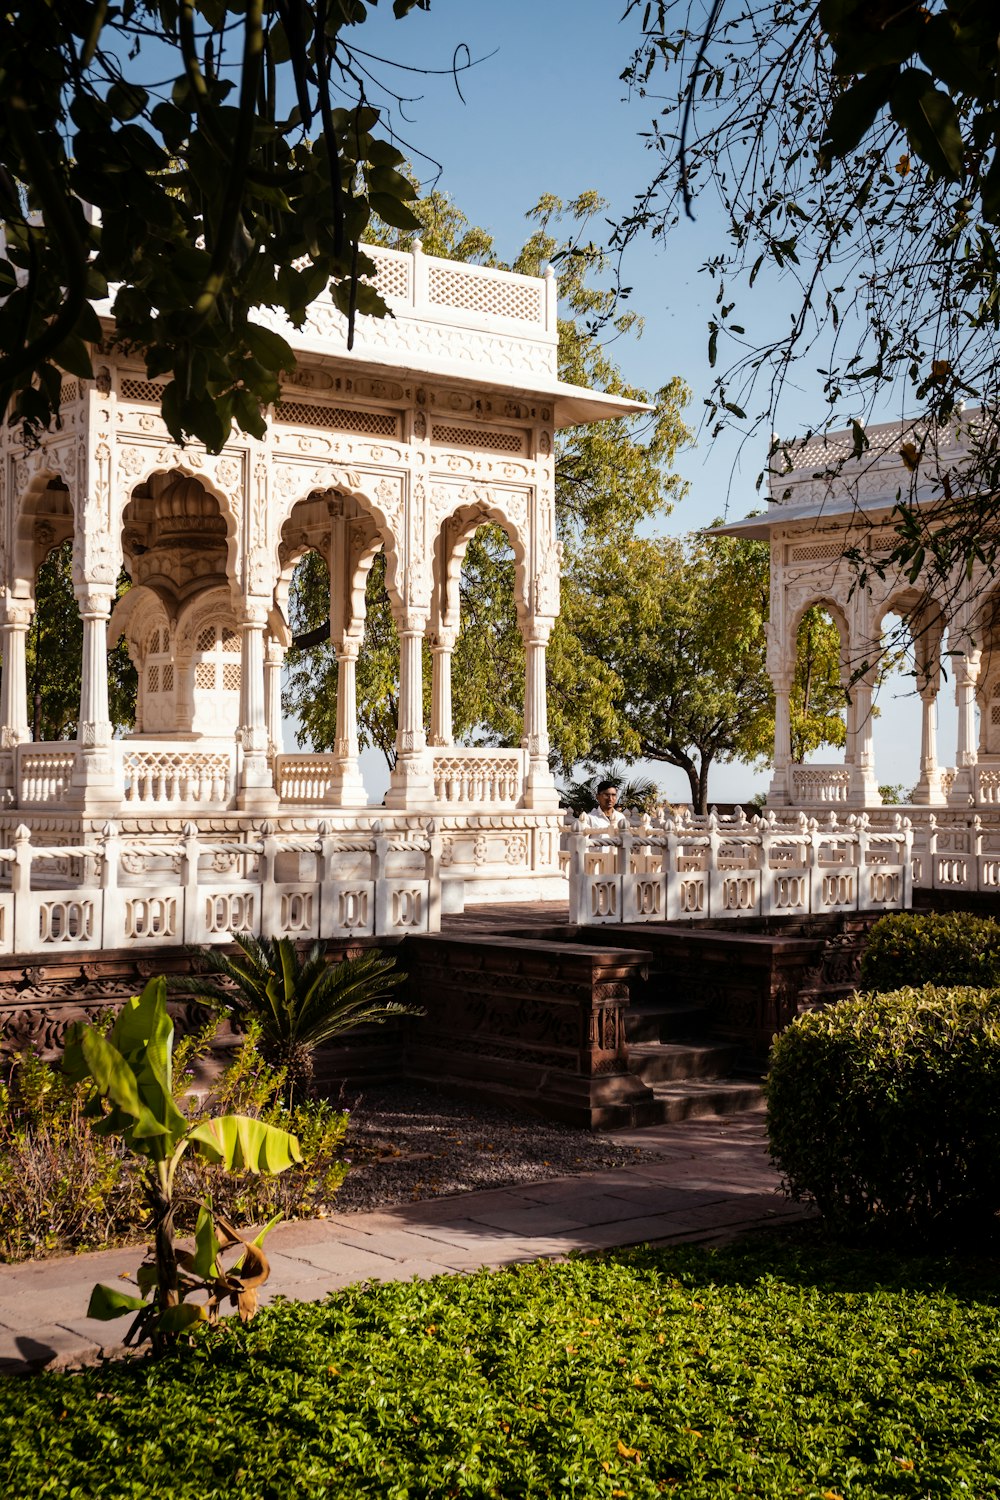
(124, 892)
(468, 776)
(723, 869)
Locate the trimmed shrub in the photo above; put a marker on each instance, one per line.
(885, 1109)
(949, 948)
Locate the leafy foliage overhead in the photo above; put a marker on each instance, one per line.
(852, 148)
(241, 175)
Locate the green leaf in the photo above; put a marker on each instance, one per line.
(206, 1245)
(269, 348)
(73, 356)
(242, 1144)
(394, 212)
(854, 112)
(116, 1080)
(931, 122)
(107, 1302)
(184, 1315)
(126, 100)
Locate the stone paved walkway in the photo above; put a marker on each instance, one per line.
(713, 1182)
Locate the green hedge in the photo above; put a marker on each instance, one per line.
(885, 1109)
(931, 948)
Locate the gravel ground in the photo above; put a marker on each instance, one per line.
(407, 1143)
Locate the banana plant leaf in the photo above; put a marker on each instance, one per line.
(242, 1144)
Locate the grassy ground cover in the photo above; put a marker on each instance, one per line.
(775, 1368)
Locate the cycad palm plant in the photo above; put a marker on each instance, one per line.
(300, 1001)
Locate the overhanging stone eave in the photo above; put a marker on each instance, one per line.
(572, 404)
(841, 510)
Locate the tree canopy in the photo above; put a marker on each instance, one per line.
(241, 174)
(682, 624)
(852, 146)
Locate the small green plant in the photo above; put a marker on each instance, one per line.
(60, 1184)
(251, 1086)
(299, 1001)
(885, 1110)
(944, 948)
(131, 1070)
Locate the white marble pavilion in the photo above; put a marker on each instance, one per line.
(440, 419)
(829, 503)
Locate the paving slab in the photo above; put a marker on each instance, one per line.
(714, 1180)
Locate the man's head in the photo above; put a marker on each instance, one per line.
(607, 796)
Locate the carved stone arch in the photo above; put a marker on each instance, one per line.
(137, 612)
(44, 517)
(192, 617)
(379, 498)
(477, 506)
(138, 464)
(348, 542)
(801, 602)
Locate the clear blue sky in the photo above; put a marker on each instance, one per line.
(547, 113)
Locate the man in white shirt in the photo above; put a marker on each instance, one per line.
(605, 816)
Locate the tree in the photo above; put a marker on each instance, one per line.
(852, 146)
(682, 624)
(212, 198)
(610, 477)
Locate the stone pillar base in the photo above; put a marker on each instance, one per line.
(411, 783)
(540, 792)
(863, 790)
(928, 793)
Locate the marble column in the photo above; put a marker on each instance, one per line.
(781, 790)
(927, 791)
(94, 778)
(256, 779)
(864, 783)
(411, 781)
(539, 783)
(349, 789)
(15, 726)
(966, 753)
(442, 645)
(274, 659)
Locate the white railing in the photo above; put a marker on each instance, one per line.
(125, 892)
(958, 855)
(164, 775)
(471, 775)
(738, 867)
(44, 774)
(812, 784)
(307, 779)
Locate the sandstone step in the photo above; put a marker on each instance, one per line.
(659, 1061)
(706, 1096)
(665, 1021)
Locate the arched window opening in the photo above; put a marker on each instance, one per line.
(309, 695)
(488, 661)
(53, 651)
(818, 697)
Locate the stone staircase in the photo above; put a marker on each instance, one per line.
(671, 1048)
